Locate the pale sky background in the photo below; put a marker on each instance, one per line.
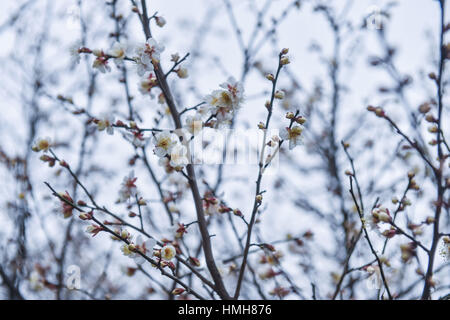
(413, 29)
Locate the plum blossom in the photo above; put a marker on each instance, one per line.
(141, 67)
(178, 157)
(42, 144)
(182, 73)
(379, 214)
(223, 102)
(279, 94)
(168, 252)
(118, 51)
(128, 250)
(210, 204)
(94, 229)
(148, 82)
(175, 57)
(128, 188)
(164, 143)
(160, 21)
(165, 163)
(75, 53)
(178, 291)
(147, 55)
(67, 208)
(293, 135)
(101, 62)
(194, 124)
(145, 247)
(179, 229)
(235, 89)
(106, 121)
(36, 283)
(408, 250)
(137, 138)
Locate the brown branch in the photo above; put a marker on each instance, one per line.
(257, 203)
(206, 241)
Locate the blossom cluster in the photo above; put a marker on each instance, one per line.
(146, 58)
(222, 104)
(168, 146)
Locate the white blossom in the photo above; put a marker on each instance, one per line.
(168, 252)
(75, 53)
(194, 124)
(182, 73)
(145, 247)
(160, 21)
(147, 55)
(223, 102)
(136, 137)
(42, 144)
(164, 143)
(175, 57)
(35, 281)
(236, 91)
(101, 62)
(106, 121)
(141, 67)
(128, 188)
(178, 156)
(294, 135)
(148, 82)
(119, 52)
(128, 250)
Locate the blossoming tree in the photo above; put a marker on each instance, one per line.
(115, 193)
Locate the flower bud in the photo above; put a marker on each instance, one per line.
(285, 61)
(160, 21)
(279, 94)
(270, 77)
(85, 216)
(430, 118)
(182, 73)
(379, 112)
(424, 107)
(389, 233)
(64, 164)
(194, 261)
(300, 120)
(178, 291)
(429, 220)
(290, 115)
